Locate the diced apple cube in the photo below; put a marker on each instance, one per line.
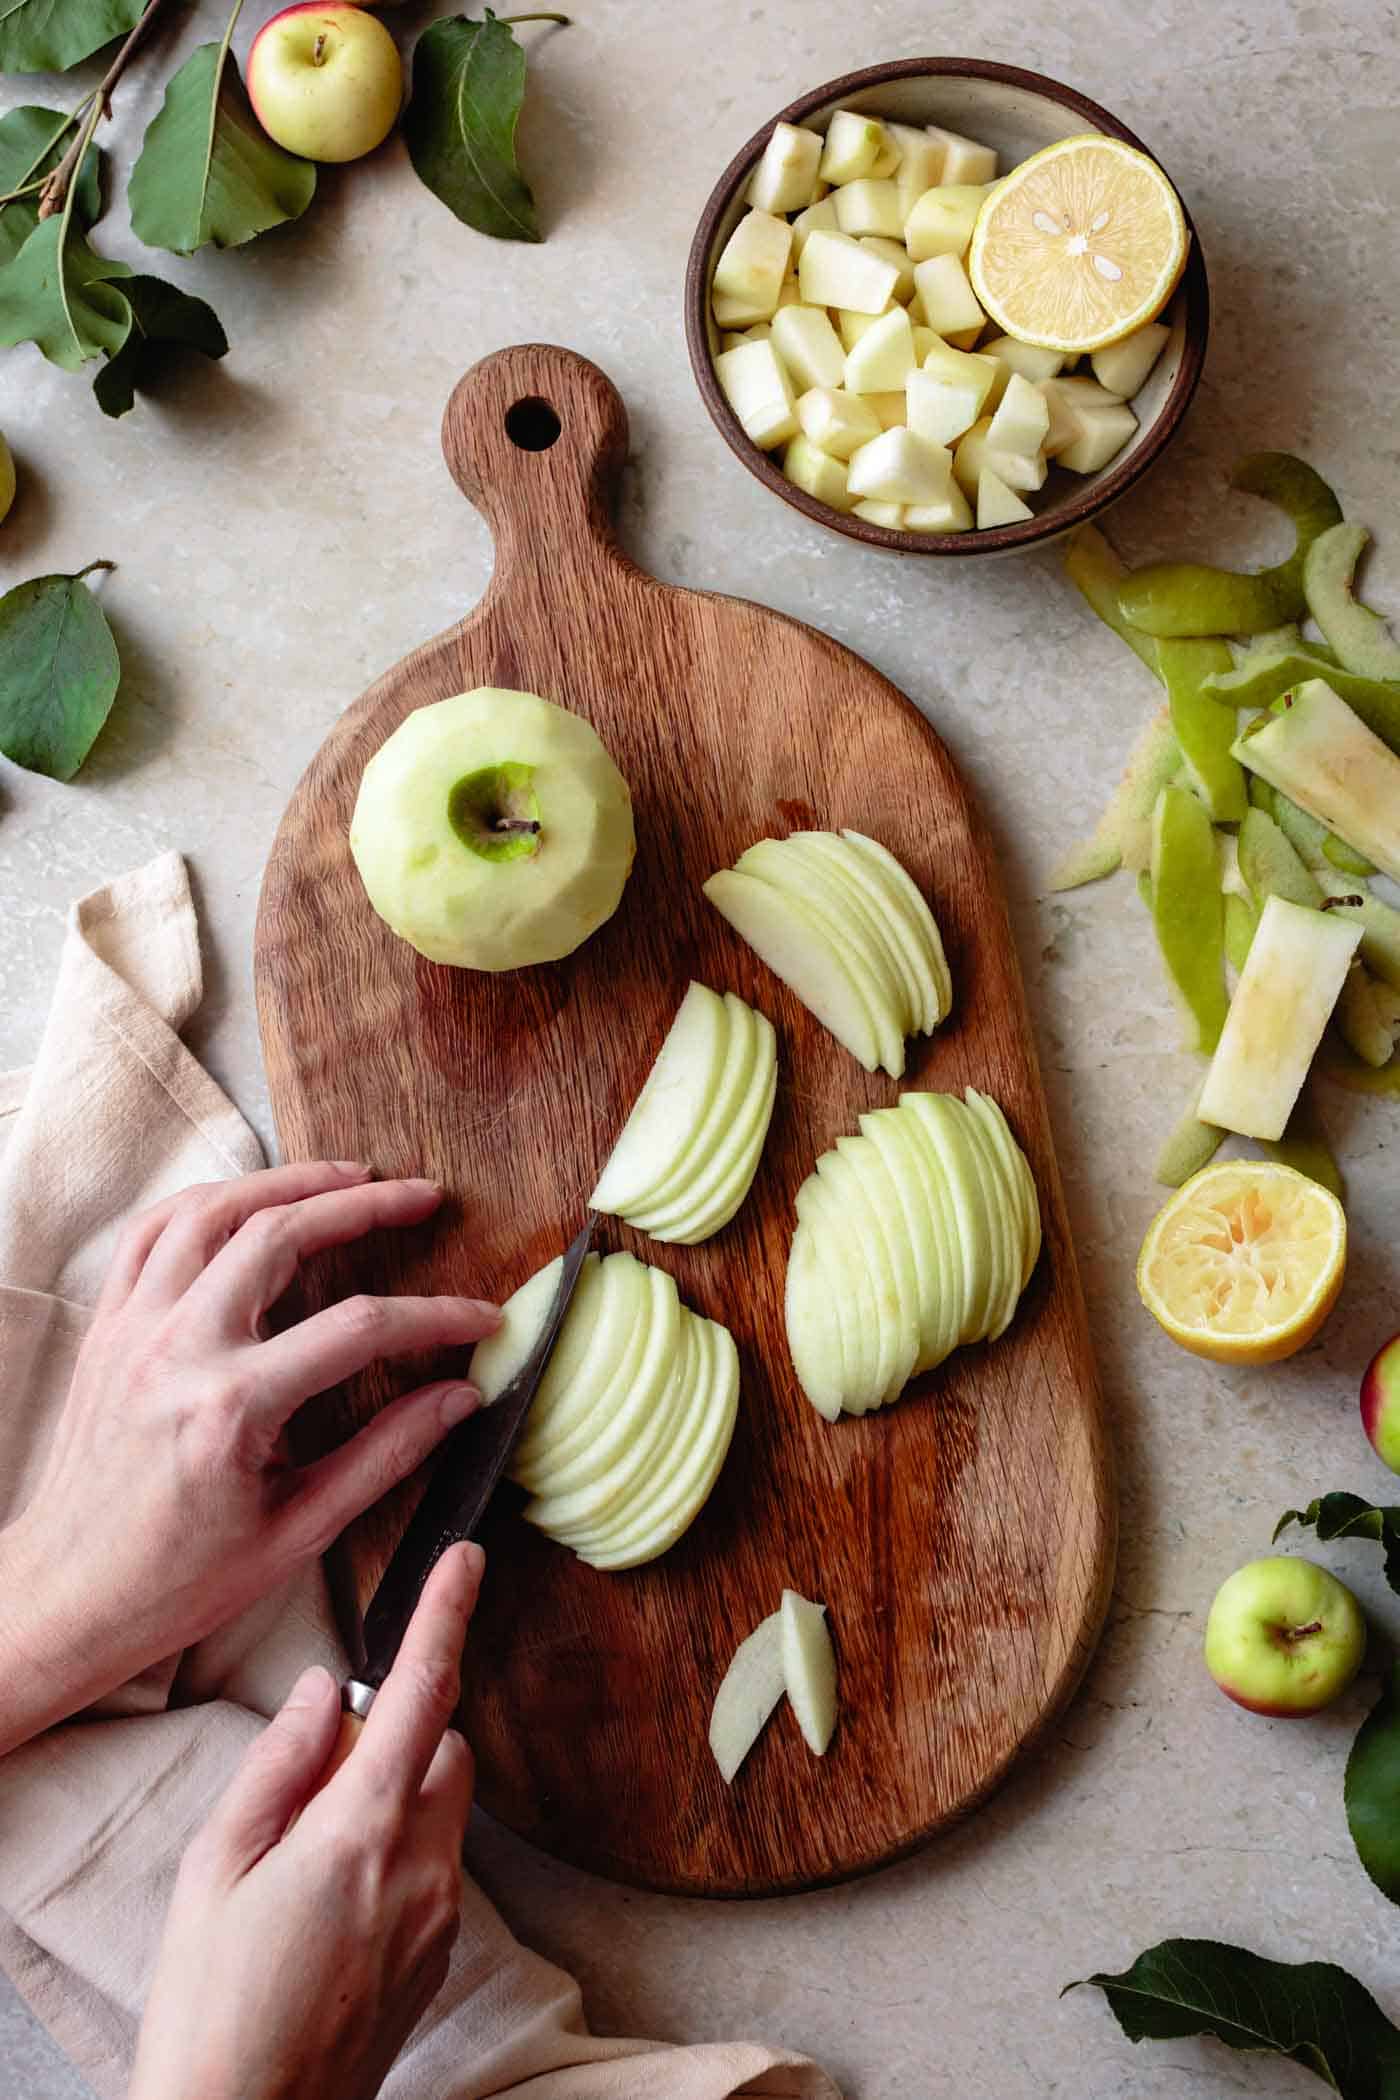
(790, 293)
(890, 409)
(997, 504)
(1296, 967)
(940, 409)
(961, 368)
(730, 312)
(1106, 431)
(1026, 358)
(809, 468)
(1123, 366)
(786, 177)
(963, 159)
(941, 221)
(808, 346)
(1023, 418)
(754, 263)
(893, 252)
(920, 163)
(898, 467)
(973, 453)
(851, 327)
(882, 360)
(951, 513)
(855, 145)
(1067, 400)
(757, 389)
(837, 422)
(890, 515)
(946, 299)
(868, 206)
(925, 341)
(834, 270)
(818, 218)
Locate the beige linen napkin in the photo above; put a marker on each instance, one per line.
(115, 1114)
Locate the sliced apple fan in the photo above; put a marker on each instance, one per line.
(844, 926)
(691, 1146)
(913, 1239)
(791, 1652)
(633, 1417)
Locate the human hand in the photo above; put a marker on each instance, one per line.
(167, 1502)
(294, 1963)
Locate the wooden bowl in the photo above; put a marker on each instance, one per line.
(1018, 112)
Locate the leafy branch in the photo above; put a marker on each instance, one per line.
(54, 190)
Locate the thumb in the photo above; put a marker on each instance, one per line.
(277, 1775)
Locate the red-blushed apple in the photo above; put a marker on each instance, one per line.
(1284, 1637)
(325, 81)
(1380, 1403)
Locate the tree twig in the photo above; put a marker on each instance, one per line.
(54, 193)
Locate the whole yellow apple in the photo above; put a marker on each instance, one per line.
(325, 80)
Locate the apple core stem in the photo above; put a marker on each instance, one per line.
(516, 827)
(318, 50)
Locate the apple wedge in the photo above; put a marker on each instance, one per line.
(711, 1199)
(616, 1441)
(809, 1668)
(611, 1517)
(749, 1690)
(795, 946)
(695, 1151)
(672, 1106)
(574, 1452)
(900, 884)
(496, 1360)
(867, 1334)
(666, 1520)
(828, 865)
(862, 942)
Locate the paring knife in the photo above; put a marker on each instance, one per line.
(466, 1471)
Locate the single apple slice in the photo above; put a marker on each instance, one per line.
(938, 1124)
(663, 1524)
(890, 909)
(614, 1516)
(867, 1336)
(1029, 359)
(1297, 964)
(897, 1312)
(615, 1342)
(574, 1343)
(749, 1690)
(622, 1419)
(1321, 754)
(784, 864)
(1007, 1216)
(735, 1076)
(899, 883)
(809, 1668)
(813, 1330)
(882, 1198)
(496, 1360)
(707, 1203)
(919, 1217)
(671, 1109)
(492, 831)
(817, 218)
(997, 504)
(795, 946)
(1019, 1169)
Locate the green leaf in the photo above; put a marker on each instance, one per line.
(49, 36)
(59, 673)
(1310, 2011)
(208, 171)
(66, 304)
(1373, 1790)
(32, 142)
(162, 316)
(1343, 1516)
(468, 85)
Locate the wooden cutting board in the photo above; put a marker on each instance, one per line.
(963, 1539)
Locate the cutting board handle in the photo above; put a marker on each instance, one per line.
(536, 438)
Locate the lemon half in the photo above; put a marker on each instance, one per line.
(1079, 245)
(1245, 1262)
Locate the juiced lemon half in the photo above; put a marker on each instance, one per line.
(1245, 1262)
(1079, 245)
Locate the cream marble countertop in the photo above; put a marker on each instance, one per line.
(285, 529)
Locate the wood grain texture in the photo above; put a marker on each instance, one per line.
(962, 1540)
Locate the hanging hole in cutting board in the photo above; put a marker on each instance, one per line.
(532, 424)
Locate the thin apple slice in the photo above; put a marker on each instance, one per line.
(615, 1517)
(813, 1330)
(948, 1145)
(883, 1204)
(712, 1200)
(610, 1358)
(770, 863)
(672, 1517)
(789, 866)
(870, 1255)
(734, 1080)
(809, 1668)
(579, 1337)
(496, 1360)
(889, 908)
(796, 948)
(994, 1120)
(621, 1421)
(824, 858)
(749, 1690)
(929, 1230)
(1003, 1199)
(672, 1105)
(853, 1293)
(898, 879)
(906, 1206)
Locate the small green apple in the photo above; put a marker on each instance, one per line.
(1380, 1403)
(325, 80)
(492, 831)
(1284, 1637)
